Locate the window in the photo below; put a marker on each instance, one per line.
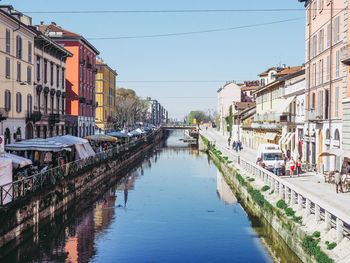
(19, 47)
(314, 9)
(63, 78)
(308, 16)
(18, 102)
(328, 35)
(52, 104)
(328, 134)
(81, 72)
(337, 36)
(8, 41)
(29, 74)
(336, 105)
(317, 73)
(313, 102)
(321, 71)
(29, 104)
(326, 104)
(321, 40)
(314, 75)
(57, 76)
(328, 76)
(38, 131)
(51, 74)
(58, 105)
(63, 106)
(7, 67)
(18, 71)
(7, 100)
(336, 135)
(45, 101)
(337, 65)
(38, 68)
(30, 52)
(45, 70)
(314, 46)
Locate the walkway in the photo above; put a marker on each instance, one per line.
(308, 182)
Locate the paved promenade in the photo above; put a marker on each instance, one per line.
(310, 182)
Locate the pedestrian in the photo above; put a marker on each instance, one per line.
(292, 167)
(233, 145)
(298, 165)
(288, 154)
(348, 168)
(337, 180)
(229, 141)
(276, 167)
(239, 145)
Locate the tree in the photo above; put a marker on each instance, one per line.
(199, 116)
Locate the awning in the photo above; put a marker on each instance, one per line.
(118, 134)
(290, 137)
(281, 105)
(18, 161)
(69, 140)
(38, 144)
(135, 132)
(101, 138)
(270, 136)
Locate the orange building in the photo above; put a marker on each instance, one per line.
(80, 80)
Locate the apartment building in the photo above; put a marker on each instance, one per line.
(16, 74)
(325, 37)
(105, 97)
(80, 79)
(48, 116)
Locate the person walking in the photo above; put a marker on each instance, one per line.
(298, 167)
(229, 141)
(292, 167)
(337, 180)
(276, 167)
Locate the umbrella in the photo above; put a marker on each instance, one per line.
(101, 138)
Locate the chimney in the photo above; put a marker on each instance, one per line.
(53, 23)
(41, 22)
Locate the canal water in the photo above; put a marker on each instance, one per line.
(174, 207)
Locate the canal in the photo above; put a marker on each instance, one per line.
(174, 207)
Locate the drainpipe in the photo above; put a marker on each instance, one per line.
(330, 72)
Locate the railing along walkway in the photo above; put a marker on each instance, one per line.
(18, 189)
(323, 211)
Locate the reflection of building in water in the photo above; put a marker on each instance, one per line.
(80, 247)
(224, 191)
(127, 182)
(104, 213)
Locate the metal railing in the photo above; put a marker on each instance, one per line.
(30, 184)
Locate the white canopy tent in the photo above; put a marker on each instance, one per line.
(6, 178)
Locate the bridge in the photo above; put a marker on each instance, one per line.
(179, 127)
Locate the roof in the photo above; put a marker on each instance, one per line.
(250, 88)
(101, 64)
(265, 73)
(62, 34)
(289, 70)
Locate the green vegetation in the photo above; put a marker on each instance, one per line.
(330, 246)
(297, 219)
(272, 192)
(289, 211)
(265, 188)
(316, 234)
(218, 122)
(251, 179)
(311, 247)
(281, 204)
(199, 116)
(229, 120)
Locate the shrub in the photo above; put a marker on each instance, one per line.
(281, 204)
(297, 219)
(289, 211)
(251, 179)
(330, 246)
(316, 234)
(226, 158)
(265, 188)
(272, 192)
(311, 247)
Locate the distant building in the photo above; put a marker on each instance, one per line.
(105, 97)
(80, 79)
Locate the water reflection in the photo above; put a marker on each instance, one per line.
(165, 210)
(224, 191)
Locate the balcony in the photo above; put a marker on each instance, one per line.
(89, 66)
(34, 116)
(82, 100)
(82, 61)
(287, 118)
(54, 118)
(3, 114)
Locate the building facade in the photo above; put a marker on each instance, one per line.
(80, 79)
(325, 39)
(105, 97)
(48, 116)
(16, 74)
(227, 95)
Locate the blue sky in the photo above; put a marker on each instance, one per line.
(230, 55)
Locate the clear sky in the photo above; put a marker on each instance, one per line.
(228, 55)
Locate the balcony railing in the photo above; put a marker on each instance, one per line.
(89, 65)
(313, 116)
(34, 116)
(3, 114)
(82, 100)
(54, 118)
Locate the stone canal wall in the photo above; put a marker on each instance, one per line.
(263, 204)
(20, 219)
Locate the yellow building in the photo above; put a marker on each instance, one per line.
(105, 97)
(16, 74)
